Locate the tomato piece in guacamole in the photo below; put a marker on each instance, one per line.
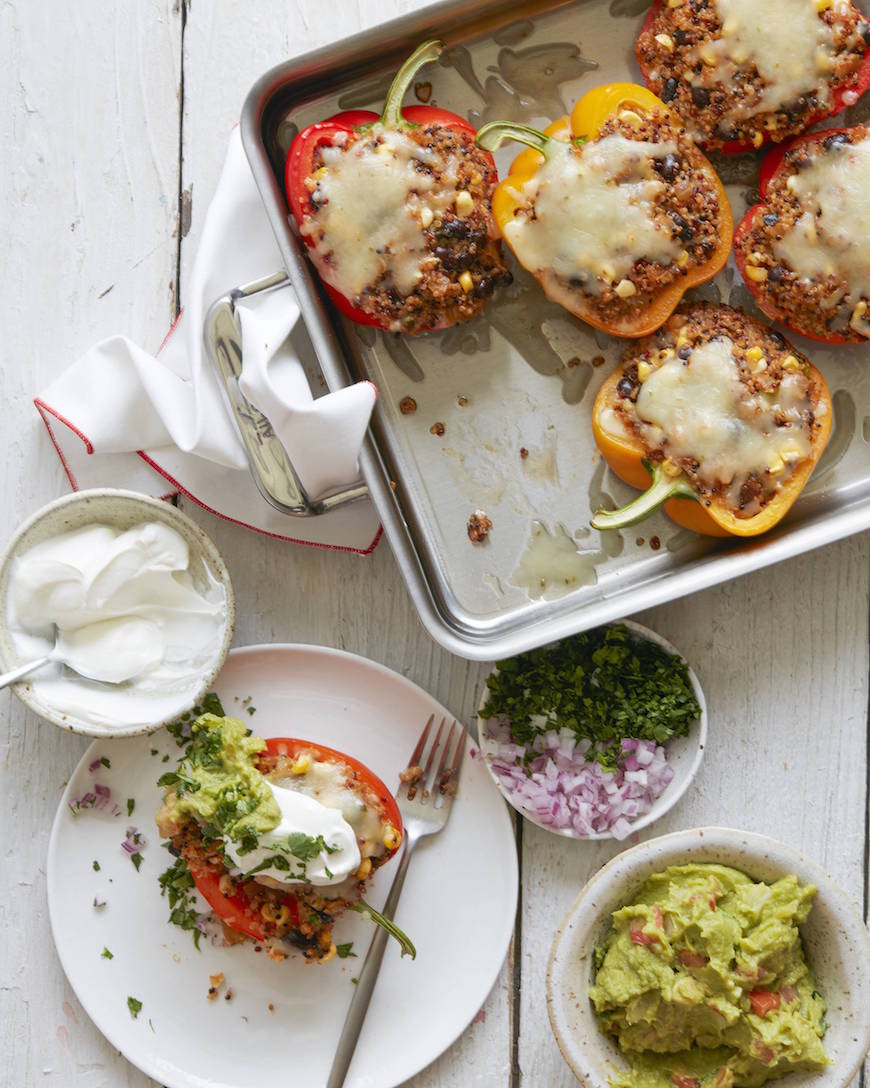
(703, 983)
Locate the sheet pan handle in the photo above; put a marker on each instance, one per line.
(271, 468)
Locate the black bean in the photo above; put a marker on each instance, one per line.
(669, 89)
(776, 273)
(838, 140)
(684, 352)
(865, 32)
(684, 231)
(771, 219)
(701, 97)
(626, 388)
(777, 338)
(668, 167)
(681, 37)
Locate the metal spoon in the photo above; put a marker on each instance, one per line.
(120, 655)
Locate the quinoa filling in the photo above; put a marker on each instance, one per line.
(400, 223)
(724, 399)
(747, 72)
(806, 250)
(617, 220)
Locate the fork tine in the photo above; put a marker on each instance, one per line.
(457, 759)
(442, 763)
(421, 743)
(431, 756)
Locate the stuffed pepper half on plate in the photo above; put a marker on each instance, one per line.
(279, 835)
(396, 211)
(718, 418)
(616, 212)
(804, 251)
(743, 73)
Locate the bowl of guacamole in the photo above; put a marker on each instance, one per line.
(711, 958)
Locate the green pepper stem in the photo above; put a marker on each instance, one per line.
(407, 947)
(423, 54)
(491, 136)
(662, 488)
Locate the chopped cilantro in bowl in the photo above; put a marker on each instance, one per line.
(578, 735)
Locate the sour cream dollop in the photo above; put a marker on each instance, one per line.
(301, 813)
(135, 628)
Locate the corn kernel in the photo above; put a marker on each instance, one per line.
(302, 764)
(676, 3)
(754, 354)
(608, 272)
(644, 369)
(775, 465)
(824, 5)
(708, 55)
(757, 139)
(464, 203)
(630, 117)
(329, 954)
(665, 41)
(321, 173)
(670, 468)
(392, 837)
(683, 258)
(792, 184)
(426, 217)
(364, 869)
(625, 289)
(665, 354)
(466, 282)
(790, 453)
(791, 365)
(757, 275)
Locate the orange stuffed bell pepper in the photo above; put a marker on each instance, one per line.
(615, 211)
(718, 418)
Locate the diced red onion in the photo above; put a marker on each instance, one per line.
(562, 788)
(98, 799)
(94, 766)
(134, 842)
(102, 791)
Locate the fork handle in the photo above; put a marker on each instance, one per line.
(356, 1013)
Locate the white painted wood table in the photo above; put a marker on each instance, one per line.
(114, 124)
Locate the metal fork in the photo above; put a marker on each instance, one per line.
(424, 802)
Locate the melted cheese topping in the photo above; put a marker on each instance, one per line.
(594, 214)
(701, 410)
(368, 222)
(831, 236)
(787, 41)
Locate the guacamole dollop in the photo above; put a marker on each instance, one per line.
(703, 981)
(217, 782)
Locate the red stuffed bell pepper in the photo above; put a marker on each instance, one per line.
(803, 250)
(278, 836)
(395, 211)
(743, 74)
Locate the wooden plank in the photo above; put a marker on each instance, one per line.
(87, 199)
(782, 657)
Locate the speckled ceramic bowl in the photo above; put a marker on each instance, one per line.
(121, 510)
(835, 939)
(684, 754)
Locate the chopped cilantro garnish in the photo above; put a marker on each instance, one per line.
(165, 758)
(252, 710)
(345, 950)
(603, 685)
(96, 866)
(99, 903)
(177, 884)
(105, 761)
(134, 1005)
(155, 751)
(136, 859)
(131, 804)
(106, 954)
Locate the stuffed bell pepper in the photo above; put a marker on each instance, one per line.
(803, 251)
(718, 418)
(743, 73)
(395, 210)
(279, 836)
(616, 212)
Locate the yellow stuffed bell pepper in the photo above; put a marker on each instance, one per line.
(717, 418)
(615, 211)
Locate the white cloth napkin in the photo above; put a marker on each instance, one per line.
(121, 416)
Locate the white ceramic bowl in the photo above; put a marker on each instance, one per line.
(684, 754)
(121, 510)
(835, 938)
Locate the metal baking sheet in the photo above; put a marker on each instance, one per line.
(524, 374)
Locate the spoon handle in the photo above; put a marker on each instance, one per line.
(22, 670)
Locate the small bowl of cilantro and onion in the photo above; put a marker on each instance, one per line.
(596, 736)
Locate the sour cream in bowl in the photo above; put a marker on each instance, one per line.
(138, 601)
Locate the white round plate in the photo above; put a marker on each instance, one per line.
(457, 906)
(684, 754)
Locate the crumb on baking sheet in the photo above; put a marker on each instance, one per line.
(215, 983)
(478, 527)
(407, 406)
(524, 453)
(437, 428)
(462, 401)
(423, 91)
